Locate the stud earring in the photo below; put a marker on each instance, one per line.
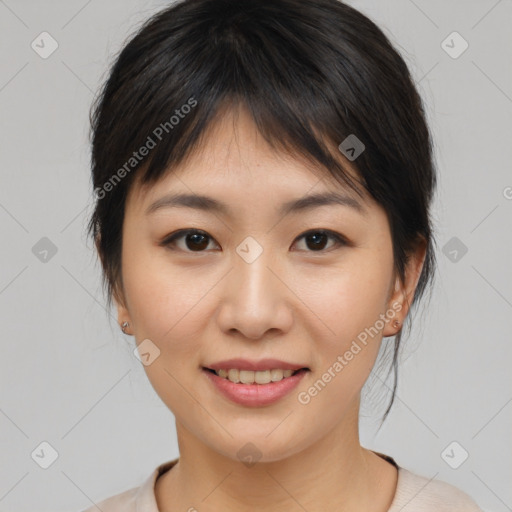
(124, 325)
(396, 324)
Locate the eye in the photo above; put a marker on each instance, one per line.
(317, 239)
(196, 240)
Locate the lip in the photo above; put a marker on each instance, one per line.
(261, 365)
(255, 395)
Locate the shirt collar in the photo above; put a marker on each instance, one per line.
(145, 499)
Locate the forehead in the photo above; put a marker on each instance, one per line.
(234, 159)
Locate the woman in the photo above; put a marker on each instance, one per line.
(263, 174)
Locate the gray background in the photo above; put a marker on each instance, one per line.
(68, 375)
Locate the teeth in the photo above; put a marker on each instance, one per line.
(232, 375)
(251, 377)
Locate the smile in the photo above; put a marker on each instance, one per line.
(252, 393)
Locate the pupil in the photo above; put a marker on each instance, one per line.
(318, 239)
(196, 239)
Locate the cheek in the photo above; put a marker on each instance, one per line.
(351, 297)
(167, 302)
(350, 302)
(165, 306)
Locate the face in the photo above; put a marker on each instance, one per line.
(303, 287)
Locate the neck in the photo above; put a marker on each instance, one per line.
(334, 472)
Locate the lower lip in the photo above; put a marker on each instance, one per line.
(255, 395)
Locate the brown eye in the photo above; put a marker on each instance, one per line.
(195, 240)
(317, 240)
(198, 241)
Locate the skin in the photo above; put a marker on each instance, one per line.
(297, 303)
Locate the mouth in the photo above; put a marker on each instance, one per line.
(254, 388)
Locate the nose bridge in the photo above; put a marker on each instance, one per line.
(253, 302)
(254, 282)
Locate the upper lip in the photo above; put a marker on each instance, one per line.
(261, 365)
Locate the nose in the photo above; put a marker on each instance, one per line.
(255, 300)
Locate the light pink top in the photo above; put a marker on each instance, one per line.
(414, 493)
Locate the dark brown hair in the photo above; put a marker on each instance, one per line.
(310, 72)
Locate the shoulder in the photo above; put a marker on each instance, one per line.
(421, 494)
(122, 502)
(135, 499)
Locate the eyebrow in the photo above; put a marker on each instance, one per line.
(205, 203)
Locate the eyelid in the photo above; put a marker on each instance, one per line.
(337, 237)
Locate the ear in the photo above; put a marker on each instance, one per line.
(118, 294)
(123, 314)
(402, 293)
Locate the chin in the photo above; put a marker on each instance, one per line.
(261, 449)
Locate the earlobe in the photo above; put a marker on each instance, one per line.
(395, 310)
(124, 327)
(123, 315)
(123, 319)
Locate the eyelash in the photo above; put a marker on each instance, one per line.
(171, 239)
